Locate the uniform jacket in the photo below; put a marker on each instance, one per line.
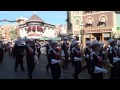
(87, 52)
(18, 51)
(54, 55)
(38, 46)
(65, 48)
(112, 52)
(29, 54)
(1, 53)
(96, 59)
(76, 54)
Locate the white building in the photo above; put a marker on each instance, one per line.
(35, 28)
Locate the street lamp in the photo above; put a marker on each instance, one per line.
(82, 31)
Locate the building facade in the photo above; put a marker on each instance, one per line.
(61, 30)
(5, 31)
(35, 28)
(100, 25)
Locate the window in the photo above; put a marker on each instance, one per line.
(77, 23)
(33, 31)
(38, 30)
(89, 22)
(102, 21)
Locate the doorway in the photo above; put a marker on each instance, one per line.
(98, 36)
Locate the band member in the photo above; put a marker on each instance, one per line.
(65, 48)
(77, 54)
(55, 61)
(1, 53)
(38, 47)
(87, 51)
(113, 58)
(96, 61)
(48, 46)
(71, 54)
(18, 53)
(118, 42)
(30, 57)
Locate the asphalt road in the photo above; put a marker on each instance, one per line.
(7, 70)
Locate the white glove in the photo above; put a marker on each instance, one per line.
(99, 70)
(62, 53)
(115, 59)
(104, 71)
(87, 56)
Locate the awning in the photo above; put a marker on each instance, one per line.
(38, 28)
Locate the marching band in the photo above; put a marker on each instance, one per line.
(95, 58)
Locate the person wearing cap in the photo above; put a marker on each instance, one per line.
(1, 53)
(71, 55)
(48, 46)
(113, 58)
(55, 61)
(118, 43)
(18, 53)
(96, 62)
(31, 55)
(77, 54)
(65, 48)
(38, 47)
(87, 52)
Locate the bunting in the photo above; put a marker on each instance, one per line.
(5, 20)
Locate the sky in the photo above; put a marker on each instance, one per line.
(52, 17)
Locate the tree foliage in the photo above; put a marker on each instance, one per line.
(14, 33)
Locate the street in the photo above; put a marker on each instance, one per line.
(7, 70)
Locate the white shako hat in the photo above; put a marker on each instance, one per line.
(53, 43)
(31, 40)
(88, 42)
(20, 42)
(23, 43)
(65, 38)
(95, 43)
(75, 42)
(110, 40)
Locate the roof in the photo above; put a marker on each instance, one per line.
(34, 17)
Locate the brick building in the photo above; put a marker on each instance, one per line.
(100, 25)
(5, 31)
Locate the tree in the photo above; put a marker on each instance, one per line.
(14, 33)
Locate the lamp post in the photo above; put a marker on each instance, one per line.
(82, 31)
